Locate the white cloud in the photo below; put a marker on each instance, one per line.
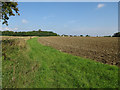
(100, 5)
(15, 28)
(24, 21)
(9, 29)
(6, 28)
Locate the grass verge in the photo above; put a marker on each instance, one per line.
(41, 66)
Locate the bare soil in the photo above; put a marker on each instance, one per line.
(101, 49)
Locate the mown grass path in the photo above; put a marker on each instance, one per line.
(55, 69)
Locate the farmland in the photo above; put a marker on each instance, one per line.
(101, 49)
(15, 37)
(28, 63)
(59, 44)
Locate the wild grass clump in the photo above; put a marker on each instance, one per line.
(17, 68)
(12, 47)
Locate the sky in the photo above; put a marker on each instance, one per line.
(67, 0)
(71, 18)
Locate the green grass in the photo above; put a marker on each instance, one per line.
(41, 66)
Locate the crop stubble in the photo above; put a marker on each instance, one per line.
(101, 49)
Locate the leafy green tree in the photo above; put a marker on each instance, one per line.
(81, 35)
(70, 35)
(8, 9)
(39, 30)
(116, 34)
(75, 35)
(87, 35)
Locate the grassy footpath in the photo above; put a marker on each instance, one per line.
(44, 67)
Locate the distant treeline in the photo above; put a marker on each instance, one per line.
(45, 33)
(29, 33)
(114, 35)
(75, 35)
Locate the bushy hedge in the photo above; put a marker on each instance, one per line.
(29, 33)
(116, 34)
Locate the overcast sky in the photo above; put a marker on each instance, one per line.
(93, 18)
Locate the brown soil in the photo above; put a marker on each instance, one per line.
(102, 49)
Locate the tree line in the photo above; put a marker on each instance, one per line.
(44, 33)
(28, 33)
(114, 35)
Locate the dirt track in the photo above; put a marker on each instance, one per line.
(102, 49)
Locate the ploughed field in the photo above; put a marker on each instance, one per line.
(101, 49)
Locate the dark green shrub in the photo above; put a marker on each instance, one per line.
(116, 34)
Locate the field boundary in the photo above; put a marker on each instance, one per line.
(100, 49)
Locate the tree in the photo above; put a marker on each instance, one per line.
(39, 30)
(116, 34)
(87, 35)
(8, 9)
(75, 35)
(81, 35)
(70, 35)
(28, 33)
